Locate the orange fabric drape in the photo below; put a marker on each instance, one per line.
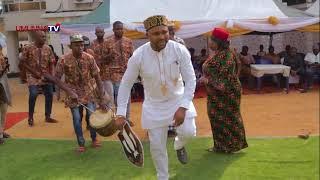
(311, 28)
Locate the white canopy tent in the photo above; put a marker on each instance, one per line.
(195, 18)
(130, 11)
(314, 9)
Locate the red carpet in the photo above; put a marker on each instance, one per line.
(14, 118)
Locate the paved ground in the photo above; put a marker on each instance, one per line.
(272, 114)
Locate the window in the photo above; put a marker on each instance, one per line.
(23, 5)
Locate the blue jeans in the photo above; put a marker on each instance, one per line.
(33, 94)
(116, 86)
(77, 123)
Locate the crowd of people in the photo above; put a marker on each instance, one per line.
(305, 66)
(102, 72)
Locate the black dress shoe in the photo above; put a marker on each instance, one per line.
(51, 120)
(5, 135)
(30, 122)
(182, 155)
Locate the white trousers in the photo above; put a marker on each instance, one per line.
(158, 144)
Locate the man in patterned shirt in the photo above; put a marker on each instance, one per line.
(99, 48)
(119, 50)
(87, 47)
(81, 72)
(40, 57)
(5, 95)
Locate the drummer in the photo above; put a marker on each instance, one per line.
(78, 68)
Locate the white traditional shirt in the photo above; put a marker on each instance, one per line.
(312, 58)
(163, 76)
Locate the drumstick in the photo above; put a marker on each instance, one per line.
(91, 110)
(86, 107)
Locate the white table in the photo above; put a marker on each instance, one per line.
(259, 70)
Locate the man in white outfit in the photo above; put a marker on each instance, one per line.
(169, 84)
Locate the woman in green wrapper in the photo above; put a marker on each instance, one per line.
(224, 94)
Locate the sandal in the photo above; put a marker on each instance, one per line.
(81, 149)
(30, 122)
(96, 144)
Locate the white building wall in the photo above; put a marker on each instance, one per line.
(68, 5)
(12, 50)
(13, 19)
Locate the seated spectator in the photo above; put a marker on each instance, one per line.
(201, 59)
(246, 59)
(295, 61)
(285, 53)
(312, 62)
(203, 56)
(275, 59)
(193, 56)
(272, 56)
(261, 53)
(195, 63)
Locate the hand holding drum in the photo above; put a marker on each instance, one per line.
(106, 124)
(120, 122)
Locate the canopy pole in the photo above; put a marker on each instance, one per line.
(270, 39)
